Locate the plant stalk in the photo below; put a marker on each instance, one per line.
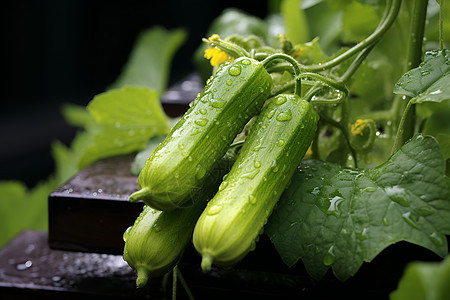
(407, 124)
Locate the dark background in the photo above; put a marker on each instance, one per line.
(57, 52)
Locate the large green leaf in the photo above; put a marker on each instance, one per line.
(149, 61)
(125, 120)
(424, 280)
(428, 82)
(336, 217)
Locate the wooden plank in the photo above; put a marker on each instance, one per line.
(91, 211)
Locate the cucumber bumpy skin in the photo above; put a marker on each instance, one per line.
(180, 164)
(232, 221)
(157, 239)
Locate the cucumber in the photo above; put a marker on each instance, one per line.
(157, 239)
(233, 219)
(180, 164)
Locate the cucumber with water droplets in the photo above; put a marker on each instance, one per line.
(233, 219)
(157, 239)
(180, 164)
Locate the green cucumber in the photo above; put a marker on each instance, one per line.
(233, 219)
(180, 164)
(157, 239)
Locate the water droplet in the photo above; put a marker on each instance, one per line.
(201, 122)
(131, 132)
(425, 73)
(195, 131)
(251, 199)
(257, 164)
(280, 143)
(280, 100)
(200, 172)
(397, 194)
(334, 208)
(126, 233)
(437, 239)
(274, 166)
(385, 221)
(217, 103)
(329, 257)
(408, 217)
(369, 189)
(284, 116)
(271, 113)
(203, 111)
(56, 278)
(180, 146)
(315, 191)
(246, 62)
(156, 227)
(24, 266)
(437, 92)
(214, 210)
(229, 82)
(223, 185)
(344, 231)
(425, 211)
(251, 174)
(234, 70)
(363, 235)
(292, 225)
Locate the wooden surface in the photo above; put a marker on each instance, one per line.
(91, 211)
(30, 269)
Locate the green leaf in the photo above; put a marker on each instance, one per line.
(22, 209)
(336, 217)
(149, 62)
(125, 121)
(428, 82)
(67, 158)
(76, 115)
(295, 21)
(424, 280)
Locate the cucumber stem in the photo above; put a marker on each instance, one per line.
(140, 195)
(207, 260)
(142, 276)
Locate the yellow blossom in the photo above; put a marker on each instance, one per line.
(297, 51)
(358, 127)
(214, 37)
(217, 56)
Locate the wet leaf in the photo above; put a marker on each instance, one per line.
(430, 82)
(336, 217)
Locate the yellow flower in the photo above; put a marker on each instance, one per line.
(297, 51)
(358, 127)
(217, 56)
(214, 37)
